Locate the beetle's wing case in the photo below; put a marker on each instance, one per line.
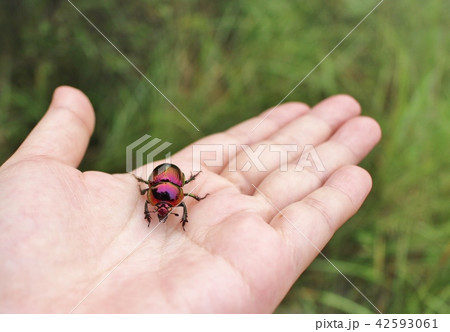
(165, 192)
(167, 173)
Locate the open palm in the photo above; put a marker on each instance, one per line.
(73, 241)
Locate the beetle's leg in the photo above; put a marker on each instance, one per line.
(192, 178)
(140, 179)
(184, 219)
(147, 213)
(196, 197)
(143, 191)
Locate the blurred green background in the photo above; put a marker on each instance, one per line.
(224, 61)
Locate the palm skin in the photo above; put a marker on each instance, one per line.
(65, 234)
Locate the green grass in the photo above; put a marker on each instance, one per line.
(224, 61)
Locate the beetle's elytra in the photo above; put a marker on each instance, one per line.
(165, 192)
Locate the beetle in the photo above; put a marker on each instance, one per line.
(165, 192)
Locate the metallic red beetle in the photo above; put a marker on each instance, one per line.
(165, 192)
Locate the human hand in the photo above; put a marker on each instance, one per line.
(64, 232)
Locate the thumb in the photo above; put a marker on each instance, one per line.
(63, 133)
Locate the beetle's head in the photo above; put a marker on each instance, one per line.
(163, 210)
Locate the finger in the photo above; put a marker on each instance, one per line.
(64, 131)
(249, 131)
(349, 145)
(312, 128)
(306, 226)
(241, 134)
